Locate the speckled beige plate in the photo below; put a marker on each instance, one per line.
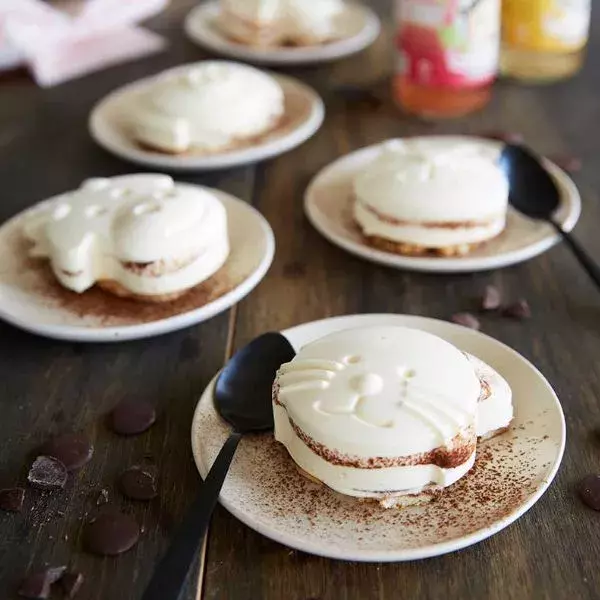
(512, 471)
(32, 299)
(328, 205)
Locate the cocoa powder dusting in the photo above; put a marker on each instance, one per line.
(265, 485)
(103, 308)
(113, 310)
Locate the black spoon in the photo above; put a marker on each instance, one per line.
(243, 398)
(534, 192)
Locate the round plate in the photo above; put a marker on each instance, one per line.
(328, 205)
(512, 471)
(32, 299)
(360, 28)
(304, 113)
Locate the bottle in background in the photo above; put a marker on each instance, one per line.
(544, 40)
(448, 53)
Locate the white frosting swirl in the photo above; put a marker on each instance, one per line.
(110, 228)
(207, 106)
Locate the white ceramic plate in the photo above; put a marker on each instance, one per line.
(327, 204)
(30, 297)
(359, 29)
(304, 113)
(265, 491)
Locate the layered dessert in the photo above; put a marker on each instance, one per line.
(425, 197)
(207, 108)
(384, 413)
(139, 236)
(389, 414)
(267, 23)
(495, 407)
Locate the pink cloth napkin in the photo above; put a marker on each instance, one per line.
(58, 45)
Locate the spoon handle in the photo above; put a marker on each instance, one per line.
(585, 260)
(171, 572)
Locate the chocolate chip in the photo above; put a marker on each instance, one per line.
(138, 483)
(508, 137)
(73, 449)
(111, 534)
(47, 473)
(12, 499)
(570, 164)
(589, 491)
(519, 310)
(71, 584)
(491, 299)
(466, 320)
(37, 585)
(131, 417)
(102, 497)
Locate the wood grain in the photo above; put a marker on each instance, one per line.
(48, 387)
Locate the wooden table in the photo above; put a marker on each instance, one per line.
(49, 387)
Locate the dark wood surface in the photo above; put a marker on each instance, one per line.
(48, 387)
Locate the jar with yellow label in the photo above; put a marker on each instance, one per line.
(544, 40)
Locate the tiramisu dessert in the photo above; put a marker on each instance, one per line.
(390, 414)
(425, 197)
(495, 407)
(281, 22)
(205, 108)
(139, 236)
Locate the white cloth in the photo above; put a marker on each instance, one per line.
(58, 46)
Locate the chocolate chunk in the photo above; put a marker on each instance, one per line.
(589, 491)
(47, 473)
(73, 449)
(37, 585)
(71, 584)
(138, 483)
(508, 137)
(102, 497)
(131, 417)
(12, 499)
(570, 164)
(491, 299)
(111, 534)
(520, 310)
(466, 320)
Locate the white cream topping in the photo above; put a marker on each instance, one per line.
(496, 411)
(376, 392)
(431, 182)
(92, 233)
(287, 20)
(205, 106)
(380, 391)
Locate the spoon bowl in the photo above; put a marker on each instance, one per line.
(532, 190)
(243, 390)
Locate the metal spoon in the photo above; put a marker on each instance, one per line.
(243, 398)
(534, 193)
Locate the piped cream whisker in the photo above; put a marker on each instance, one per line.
(303, 385)
(426, 417)
(311, 363)
(309, 375)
